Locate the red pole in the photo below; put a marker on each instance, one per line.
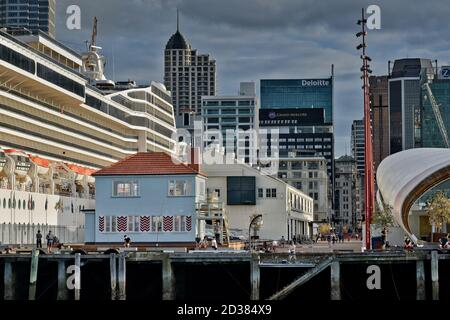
(369, 196)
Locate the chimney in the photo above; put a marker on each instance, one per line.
(194, 159)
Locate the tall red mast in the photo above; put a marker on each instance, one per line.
(369, 192)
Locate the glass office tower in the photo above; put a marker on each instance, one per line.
(33, 15)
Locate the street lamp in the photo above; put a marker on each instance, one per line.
(259, 216)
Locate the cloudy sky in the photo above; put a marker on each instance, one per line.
(257, 39)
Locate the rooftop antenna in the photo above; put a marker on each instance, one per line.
(178, 21)
(94, 32)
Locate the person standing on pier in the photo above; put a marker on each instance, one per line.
(49, 238)
(127, 241)
(292, 257)
(214, 243)
(383, 237)
(39, 239)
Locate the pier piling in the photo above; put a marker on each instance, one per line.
(77, 276)
(113, 272)
(62, 281)
(33, 274)
(168, 279)
(435, 274)
(122, 277)
(9, 281)
(335, 281)
(255, 277)
(420, 279)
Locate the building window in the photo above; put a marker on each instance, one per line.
(274, 193)
(125, 189)
(241, 190)
(180, 224)
(110, 224)
(267, 193)
(157, 223)
(260, 193)
(133, 224)
(178, 188)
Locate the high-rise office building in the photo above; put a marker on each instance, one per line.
(436, 122)
(405, 102)
(235, 118)
(33, 15)
(378, 93)
(189, 76)
(302, 111)
(345, 193)
(358, 144)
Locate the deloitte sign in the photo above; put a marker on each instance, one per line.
(315, 83)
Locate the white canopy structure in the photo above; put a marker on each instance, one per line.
(405, 176)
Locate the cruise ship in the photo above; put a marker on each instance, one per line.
(60, 121)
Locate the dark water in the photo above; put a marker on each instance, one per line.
(224, 282)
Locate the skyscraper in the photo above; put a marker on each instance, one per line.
(436, 121)
(405, 101)
(189, 76)
(302, 109)
(33, 15)
(378, 92)
(358, 145)
(235, 115)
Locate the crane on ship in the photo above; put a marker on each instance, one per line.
(437, 113)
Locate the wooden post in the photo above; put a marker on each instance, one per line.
(113, 273)
(122, 277)
(255, 276)
(168, 280)
(420, 280)
(62, 281)
(77, 275)
(435, 274)
(335, 281)
(9, 281)
(33, 274)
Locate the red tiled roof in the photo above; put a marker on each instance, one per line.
(147, 163)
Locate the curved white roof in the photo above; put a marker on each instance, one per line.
(400, 174)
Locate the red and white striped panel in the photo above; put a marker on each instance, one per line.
(145, 223)
(122, 224)
(167, 223)
(101, 223)
(188, 223)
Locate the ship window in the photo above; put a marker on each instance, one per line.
(60, 80)
(17, 59)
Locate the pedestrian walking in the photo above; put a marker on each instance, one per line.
(39, 239)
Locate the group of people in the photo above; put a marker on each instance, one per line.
(332, 238)
(52, 241)
(203, 243)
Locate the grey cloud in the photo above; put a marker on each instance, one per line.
(254, 39)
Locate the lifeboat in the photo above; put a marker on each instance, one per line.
(80, 171)
(89, 173)
(22, 161)
(43, 165)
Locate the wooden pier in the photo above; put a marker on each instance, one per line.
(167, 275)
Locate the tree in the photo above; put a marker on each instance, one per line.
(438, 209)
(382, 217)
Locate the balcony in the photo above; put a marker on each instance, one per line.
(209, 210)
